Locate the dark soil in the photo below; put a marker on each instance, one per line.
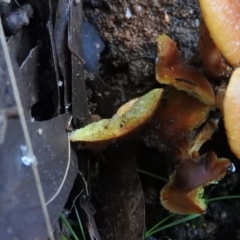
(129, 29)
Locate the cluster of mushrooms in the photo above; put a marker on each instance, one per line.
(180, 114)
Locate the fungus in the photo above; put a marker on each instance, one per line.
(128, 119)
(179, 202)
(170, 69)
(213, 62)
(175, 120)
(126, 107)
(231, 110)
(222, 20)
(200, 171)
(203, 134)
(183, 193)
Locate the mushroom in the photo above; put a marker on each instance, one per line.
(200, 171)
(223, 17)
(175, 121)
(203, 134)
(170, 69)
(126, 107)
(231, 111)
(222, 20)
(213, 62)
(183, 203)
(128, 119)
(183, 193)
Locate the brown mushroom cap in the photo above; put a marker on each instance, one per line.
(170, 69)
(120, 125)
(204, 133)
(213, 62)
(200, 171)
(183, 193)
(222, 18)
(231, 110)
(176, 118)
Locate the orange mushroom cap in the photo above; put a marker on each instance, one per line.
(183, 193)
(170, 69)
(172, 126)
(231, 110)
(222, 18)
(204, 133)
(183, 203)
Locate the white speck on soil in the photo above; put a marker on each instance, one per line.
(128, 14)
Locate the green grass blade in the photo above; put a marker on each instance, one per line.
(68, 226)
(80, 223)
(152, 175)
(223, 198)
(158, 224)
(63, 237)
(182, 220)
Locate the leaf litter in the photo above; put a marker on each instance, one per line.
(19, 198)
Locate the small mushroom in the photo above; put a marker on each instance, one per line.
(222, 20)
(200, 171)
(174, 123)
(183, 193)
(128, 119)
(231, 111)
(179, 202)
(213, 62)
(170, 69)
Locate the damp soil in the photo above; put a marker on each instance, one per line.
(129, 29)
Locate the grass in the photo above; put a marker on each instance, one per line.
(156, 228)
(80, 223)
(70, 229)
(172, 224)
(152, 175)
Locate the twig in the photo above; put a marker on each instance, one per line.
(74, 200)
